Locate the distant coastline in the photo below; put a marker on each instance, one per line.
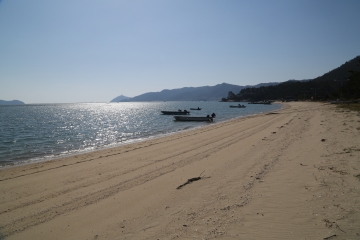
(13, 102)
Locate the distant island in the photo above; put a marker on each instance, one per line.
(13, 102)
(120, 98)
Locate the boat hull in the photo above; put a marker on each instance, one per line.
(195, 119)
(175, 113)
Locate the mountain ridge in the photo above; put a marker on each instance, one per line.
(210, 93)
(204, 93)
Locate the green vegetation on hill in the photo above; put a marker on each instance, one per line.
(340, 83)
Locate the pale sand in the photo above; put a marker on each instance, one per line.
(290, 175)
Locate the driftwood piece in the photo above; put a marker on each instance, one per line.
(330, 237)
(190, 180)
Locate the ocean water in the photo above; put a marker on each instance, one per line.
(30, 133)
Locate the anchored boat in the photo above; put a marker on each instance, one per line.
(197, 119)
(176, 112)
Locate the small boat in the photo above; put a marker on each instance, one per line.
(238, 106)
(195, 108)
(176, 112)
(196, 119)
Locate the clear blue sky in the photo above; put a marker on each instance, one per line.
(93, 51)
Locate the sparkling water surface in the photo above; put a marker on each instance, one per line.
(30, 133)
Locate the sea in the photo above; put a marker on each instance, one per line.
(41, 132)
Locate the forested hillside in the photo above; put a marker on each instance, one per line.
(342, 82)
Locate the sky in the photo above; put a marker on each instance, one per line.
(93, 51)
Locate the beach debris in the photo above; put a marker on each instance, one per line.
(323, 140)
(190, 180)
(330, 237)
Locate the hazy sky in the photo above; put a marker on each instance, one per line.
(93, 51)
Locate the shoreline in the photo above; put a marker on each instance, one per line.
(288, 175)
(132, 141)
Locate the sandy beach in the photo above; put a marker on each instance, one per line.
(289, 174)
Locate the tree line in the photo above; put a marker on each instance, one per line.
(341, 83)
